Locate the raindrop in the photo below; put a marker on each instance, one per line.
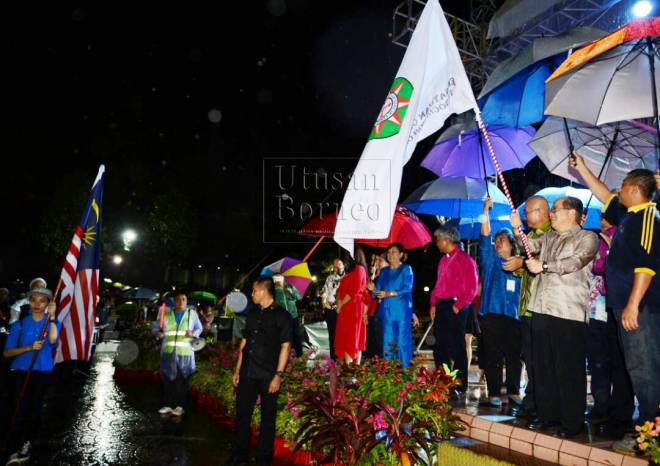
(215, 115)
(78, 14)
(265, 97)
(276, 7)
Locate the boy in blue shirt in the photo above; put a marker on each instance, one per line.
(23, 340)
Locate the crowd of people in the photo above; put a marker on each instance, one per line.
(558, 299)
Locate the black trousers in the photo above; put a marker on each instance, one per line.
(246, 398)
(610, 384)
(331, 321)
(449, 331)
(501, 347)
(175, 392)
(529, 401)
(559, 347)
(374, 338)
(28, 418)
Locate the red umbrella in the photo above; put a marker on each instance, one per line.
(406, 229)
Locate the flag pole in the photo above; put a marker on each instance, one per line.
(21, 394)
(500, 176)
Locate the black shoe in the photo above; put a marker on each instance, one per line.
(614, 430)
(537, 424)
(565, 433)
(522, 412)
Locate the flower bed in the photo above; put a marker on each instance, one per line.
(376, 413)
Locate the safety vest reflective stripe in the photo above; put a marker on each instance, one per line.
(181, 333)
(178, 344)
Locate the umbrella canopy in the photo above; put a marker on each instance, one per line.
(615, 78)
(467, 153)
(552, 194)
(457, 197)
(610, 150)
(296, 273)
(538, 50)
(406, 229)
(202, 296)
(141, 293)
(514, 93)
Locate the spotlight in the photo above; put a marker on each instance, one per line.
(642, 8)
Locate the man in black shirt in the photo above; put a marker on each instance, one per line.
(263, 355)
(633, 291)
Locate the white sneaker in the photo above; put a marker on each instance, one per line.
(165, 410)
(178, 411)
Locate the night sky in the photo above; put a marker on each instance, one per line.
(183, 104)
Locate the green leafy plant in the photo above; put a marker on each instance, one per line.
(334, 424)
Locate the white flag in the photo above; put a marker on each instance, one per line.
(430, 85)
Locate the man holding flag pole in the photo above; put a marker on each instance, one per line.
(33, 339)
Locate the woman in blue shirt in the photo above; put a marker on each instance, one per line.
(395, 311)
(500, 327)
(22, 342)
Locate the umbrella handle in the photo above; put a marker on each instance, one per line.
(426, 334)
(313, 248)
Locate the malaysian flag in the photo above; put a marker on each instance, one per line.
(80, 281)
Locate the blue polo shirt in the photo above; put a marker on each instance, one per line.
(500, 290)
(24, 332)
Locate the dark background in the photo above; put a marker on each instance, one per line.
(131, 86)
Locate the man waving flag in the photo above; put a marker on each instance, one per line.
(430, 85)
(80, 280)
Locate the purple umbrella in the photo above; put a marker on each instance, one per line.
(467, 153)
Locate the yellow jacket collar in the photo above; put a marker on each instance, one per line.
(638, 207)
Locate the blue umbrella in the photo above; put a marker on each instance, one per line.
(466, 154)
(457, 197)
(141, 293)
(552, 194)
(520, 101)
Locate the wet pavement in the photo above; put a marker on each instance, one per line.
(100, 422)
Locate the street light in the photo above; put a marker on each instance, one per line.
(642, 9)
(128, 236)
(117, 259)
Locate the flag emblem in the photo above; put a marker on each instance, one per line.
(394, 110)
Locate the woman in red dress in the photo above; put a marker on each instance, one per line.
(351, 332)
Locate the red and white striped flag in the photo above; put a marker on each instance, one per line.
(80, 281)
